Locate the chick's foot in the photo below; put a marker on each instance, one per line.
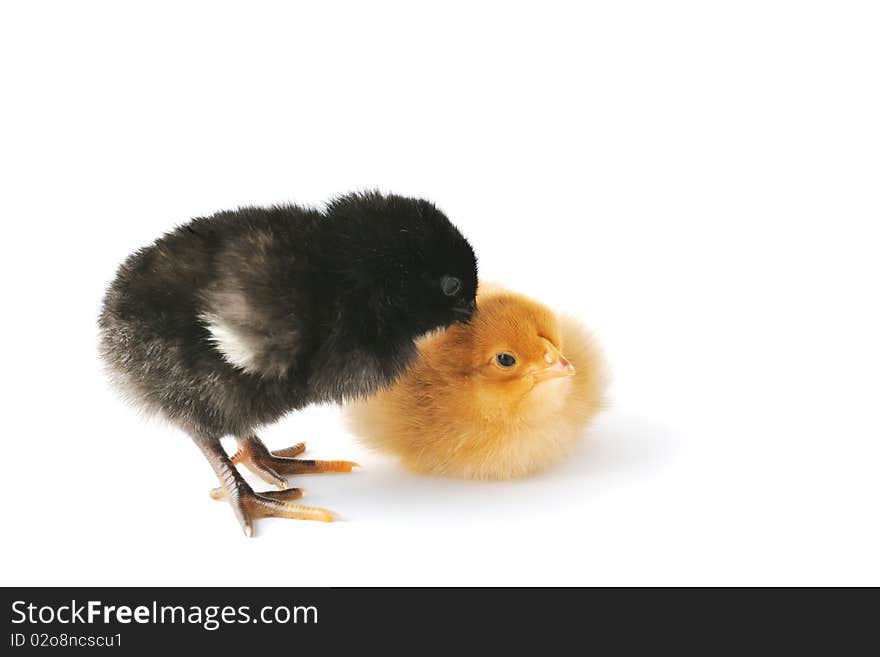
(272, 466)
(249, 505)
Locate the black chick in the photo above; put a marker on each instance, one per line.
(231, 321)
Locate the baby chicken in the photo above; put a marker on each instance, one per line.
(505, 395)
(231, 321)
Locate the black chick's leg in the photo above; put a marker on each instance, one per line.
(272, 466)
(246, 504)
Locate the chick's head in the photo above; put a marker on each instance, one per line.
(515, 357)
(409, 267)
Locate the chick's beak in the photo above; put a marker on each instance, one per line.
(558, 369)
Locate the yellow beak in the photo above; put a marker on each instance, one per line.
(559, 369)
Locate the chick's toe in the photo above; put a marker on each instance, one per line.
(272, 466)
(286, 495)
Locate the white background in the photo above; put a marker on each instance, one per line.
(698, 182)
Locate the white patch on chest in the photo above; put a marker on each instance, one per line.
(235, 345)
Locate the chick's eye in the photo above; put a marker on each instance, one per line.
(505, 360)
(450, 285)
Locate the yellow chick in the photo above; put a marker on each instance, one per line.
(491, 399)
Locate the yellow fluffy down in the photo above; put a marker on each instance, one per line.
(448, 416)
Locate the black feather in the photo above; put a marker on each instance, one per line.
(324, 306)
